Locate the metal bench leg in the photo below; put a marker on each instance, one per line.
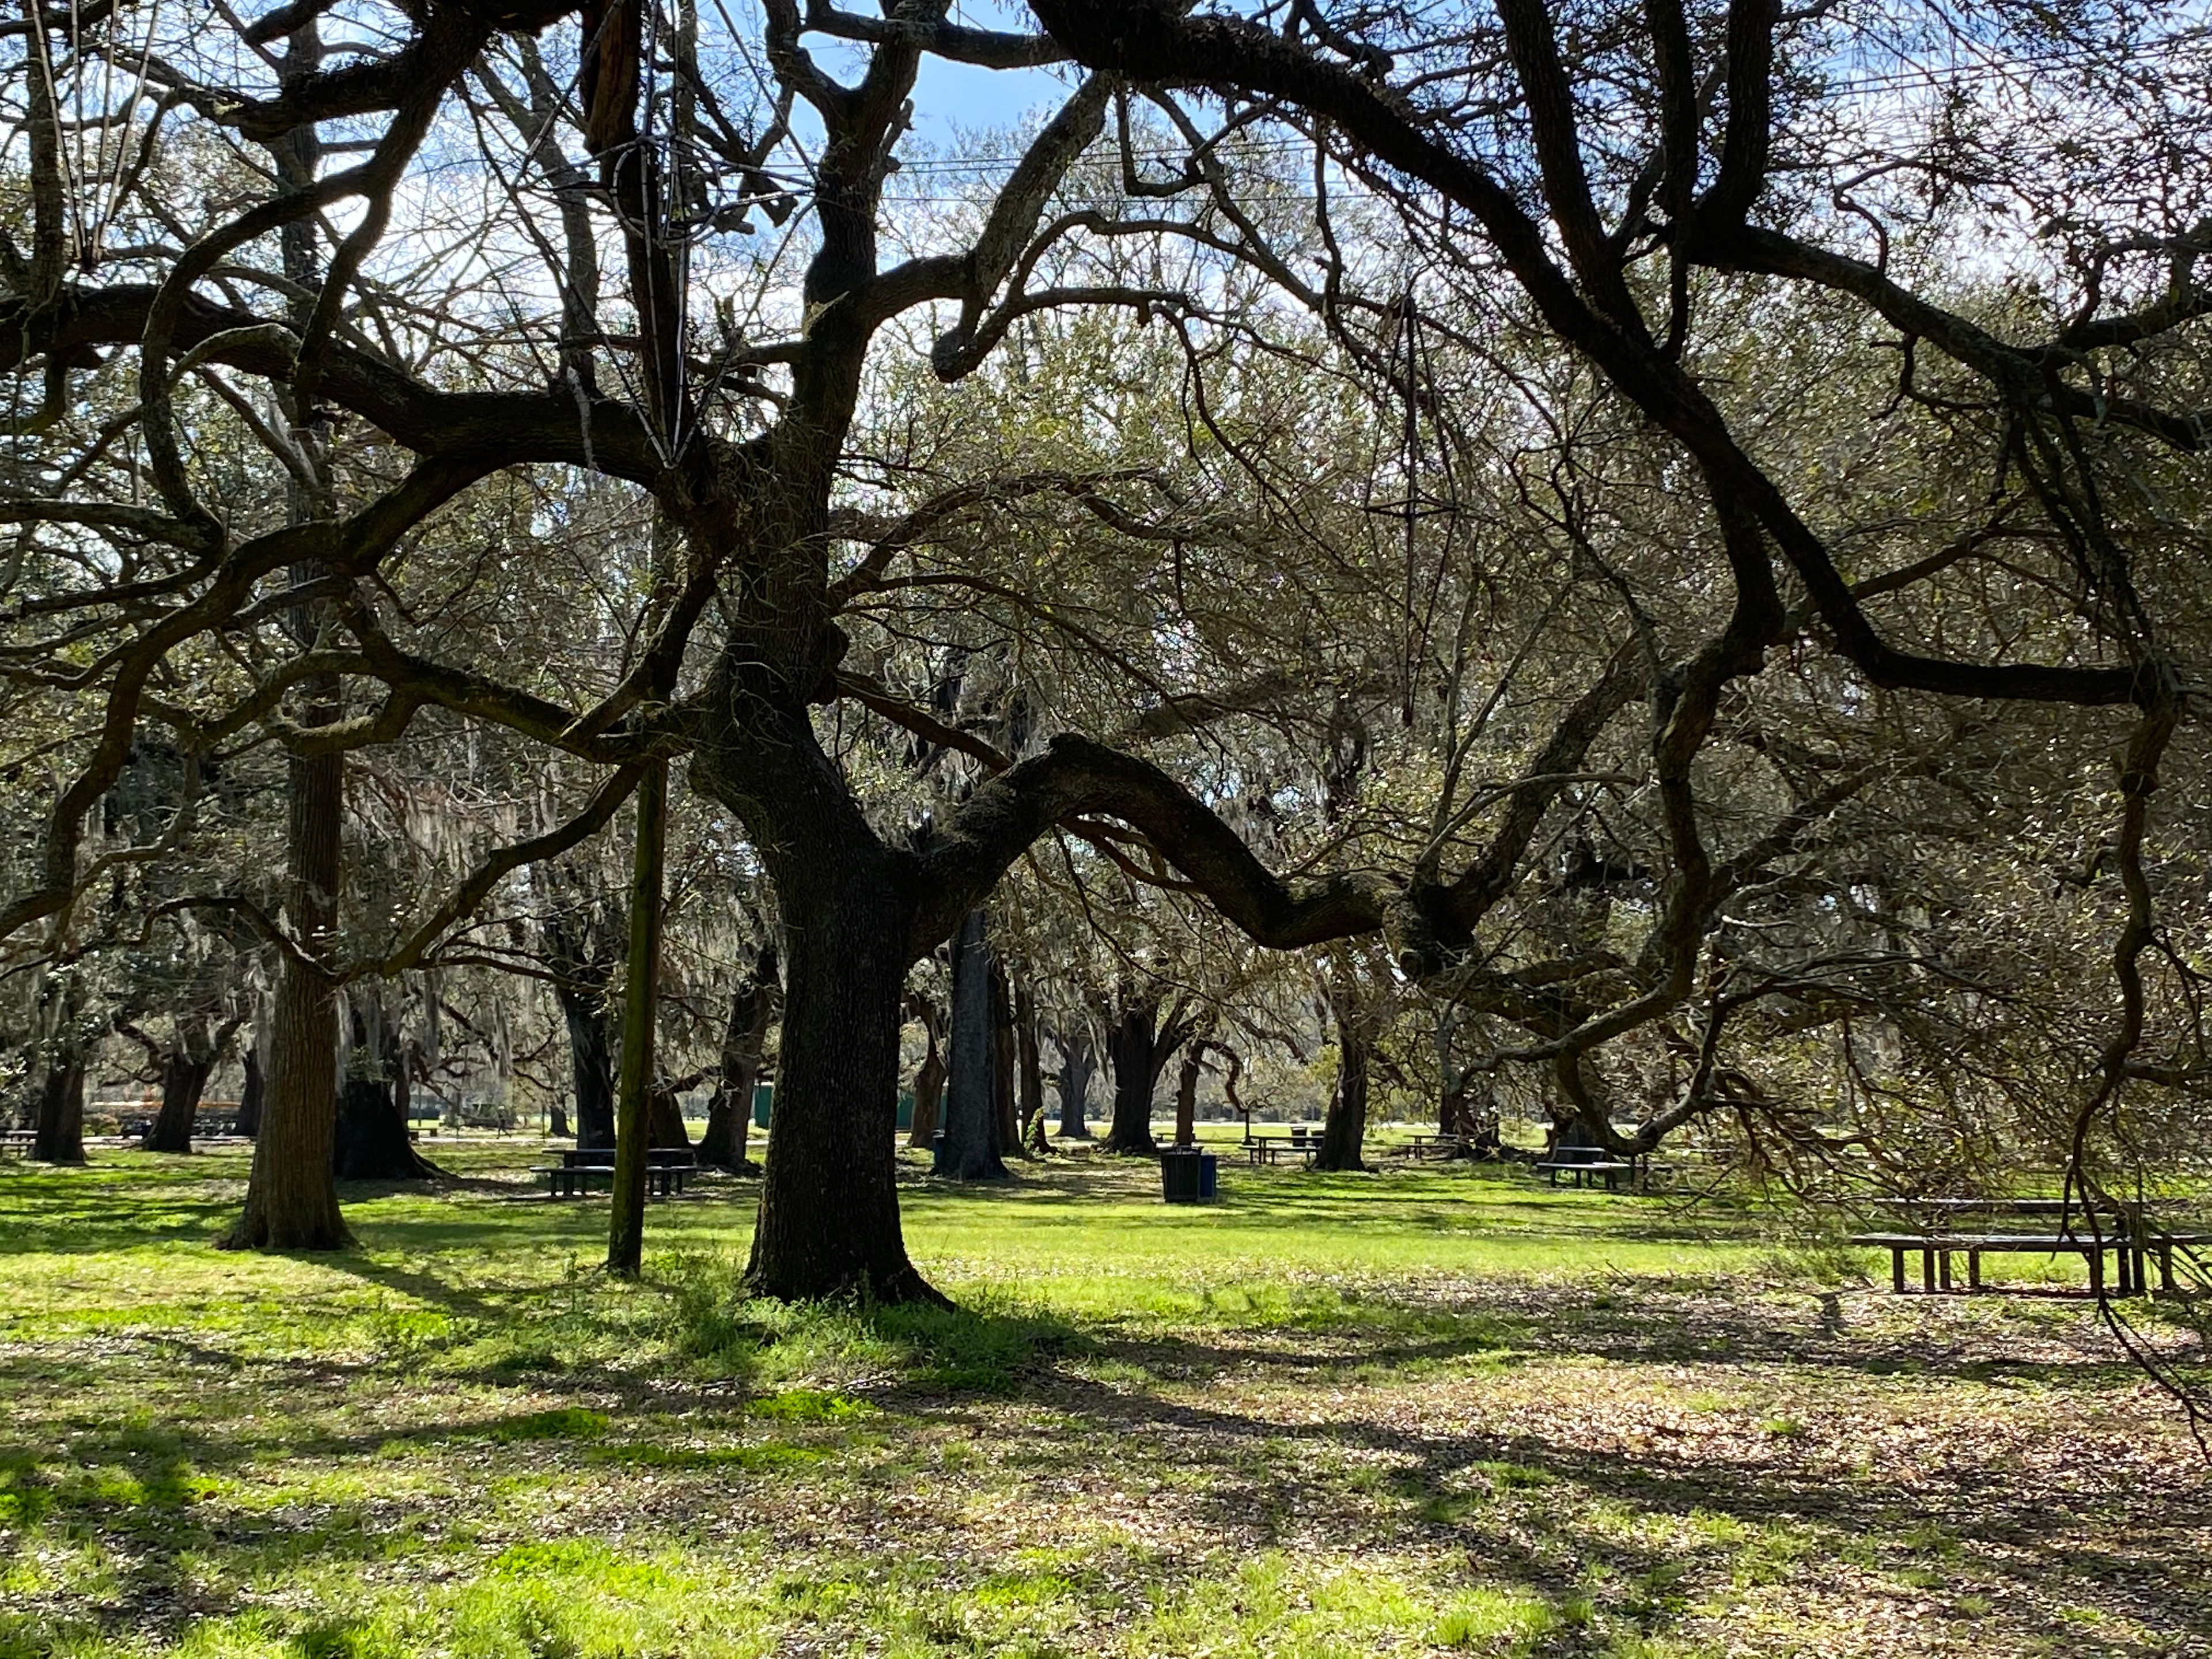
(1897, 1269)
(1928, 1272)
(1974, 1270)
(2096, 1254)
(1943, 1267)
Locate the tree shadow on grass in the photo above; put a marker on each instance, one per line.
(2034, 1544)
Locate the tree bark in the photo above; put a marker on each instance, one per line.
(1130, 1049)
(1032, 1072)
(641, 998)
(730, 1113)
(1078, 1060)
(251, 1091)
(60, 1137)
(184, 1071)
(370, 1140)
(291, 1197)
(1345, 1133)
(929, 1080)
(1193, 1064)
(577, 948)
(591, 1066)
(664, 1121)
(829, 1213)
(973, 1120)
(1005, 1061)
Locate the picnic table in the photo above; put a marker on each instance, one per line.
(1585, 1163)
(1270, 1149)
(591, 1156)
(1431, 1144)
(666, 1171)
(2134, 1240)
(13, 1143)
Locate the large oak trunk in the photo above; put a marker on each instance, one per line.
(184, 1080)
(591, 1065)
(1130, 1049)
(1078, 1060)
(828, 1221)
(371, 1142)
(929, 1081)
(1345, 1134)
(291, 1198)
(974, 1126)
(829, 1214)
(60, 1137)
(729, 1113)
(1032, 1072)
(1194, 1063)
(253, 1092)
(1005, 1063)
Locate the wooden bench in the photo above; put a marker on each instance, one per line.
(573, 1180)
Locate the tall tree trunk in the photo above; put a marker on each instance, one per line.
(184, 1069)
(591, 1065)
(641, 998)
(663, 1121)
(1005, 1061)
(1032, 1071)
(973, 1124)
(291, 1198)
(1078, 1060)
(371, 1139)
(60, 1138)
(1193, 1064)
(252, 1090)
(1345, 1134)
(929, 1080)
(745, 1037)
(1130, 1049)
(828, 1212)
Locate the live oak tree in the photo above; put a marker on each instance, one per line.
(1600, 197)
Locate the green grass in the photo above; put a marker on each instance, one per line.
(1435, 1411)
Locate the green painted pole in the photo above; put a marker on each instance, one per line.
(626, 1227)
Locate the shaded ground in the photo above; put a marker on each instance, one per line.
(1437, 1412)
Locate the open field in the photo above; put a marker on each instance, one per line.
(1438, 1411)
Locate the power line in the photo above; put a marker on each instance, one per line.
(2194, 49)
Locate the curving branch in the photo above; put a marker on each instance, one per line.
(1076, 777)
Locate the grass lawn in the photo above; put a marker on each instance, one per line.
(1433, 1411)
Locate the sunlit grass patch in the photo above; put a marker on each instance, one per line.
(1276, 1605)
(1428, 1412)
